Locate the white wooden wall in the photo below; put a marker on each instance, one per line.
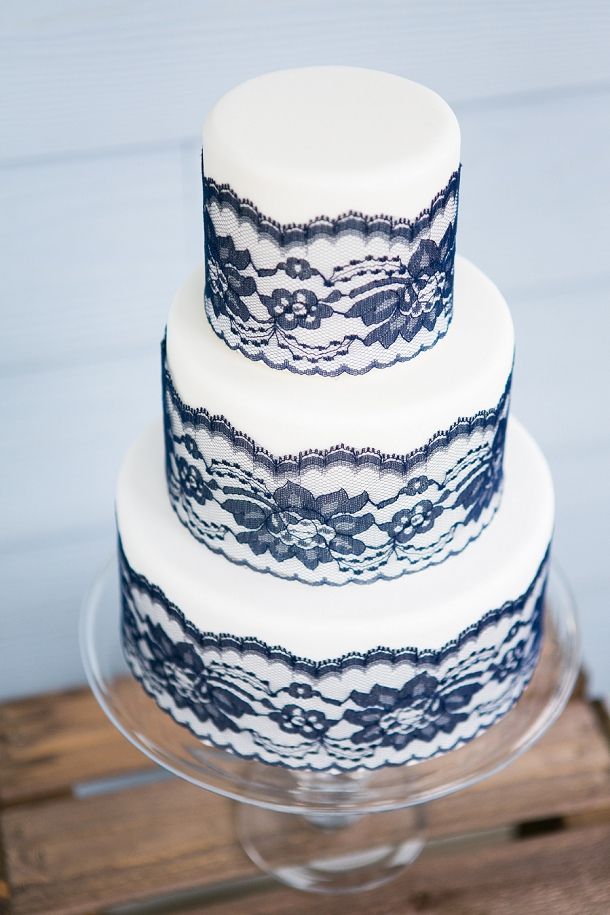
(102, 102)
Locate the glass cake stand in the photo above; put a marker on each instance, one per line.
(318, 831)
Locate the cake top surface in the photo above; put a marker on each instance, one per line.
(321, 141)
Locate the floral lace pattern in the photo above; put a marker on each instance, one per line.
(384, 707)
(333, 295)
(333, 516)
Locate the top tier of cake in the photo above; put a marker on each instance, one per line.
(322, 141)
(330, 203)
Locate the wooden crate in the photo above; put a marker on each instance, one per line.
(88, 825)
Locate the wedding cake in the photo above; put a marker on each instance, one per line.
(334, 552)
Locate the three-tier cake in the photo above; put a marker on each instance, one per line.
(334, 553)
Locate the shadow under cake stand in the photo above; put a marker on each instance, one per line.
(318, 831)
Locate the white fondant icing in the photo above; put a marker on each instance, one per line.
(321, 141)
(424, 610)
(393, 410)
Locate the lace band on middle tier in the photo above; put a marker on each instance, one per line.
(332, 295)
(337, 515)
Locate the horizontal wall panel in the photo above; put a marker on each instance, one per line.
(581, 537)
(561, 369)
(98, 75)
(66, 428)
(43, 588)
(109, 239)
(535, 195)
(591, 596)
(92, 252)
(529, 216)
(64, 434)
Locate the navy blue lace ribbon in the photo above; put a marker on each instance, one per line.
(362, 710)
(331, 295)
(315, 516)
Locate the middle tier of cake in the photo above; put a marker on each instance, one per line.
(349, 478)
(392, 410)
(425, 610)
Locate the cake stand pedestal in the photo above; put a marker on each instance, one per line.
(317, 831)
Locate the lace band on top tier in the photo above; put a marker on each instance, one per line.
(331, 295)
(338, 515)
(383, 707)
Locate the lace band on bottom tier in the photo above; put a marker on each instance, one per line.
(332, 295)
(384, 707)
(338, 515)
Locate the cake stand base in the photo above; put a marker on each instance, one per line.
(319, 831)
(331, 854)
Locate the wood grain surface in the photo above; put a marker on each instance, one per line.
(50, 742)
(85, 852)
(553, 875)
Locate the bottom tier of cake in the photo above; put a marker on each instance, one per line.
(334, 678)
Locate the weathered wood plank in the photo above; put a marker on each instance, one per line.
(50, 742)
(568, 771)
(73, 855)
(5, 890)
(562, 873)
(172, 836)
